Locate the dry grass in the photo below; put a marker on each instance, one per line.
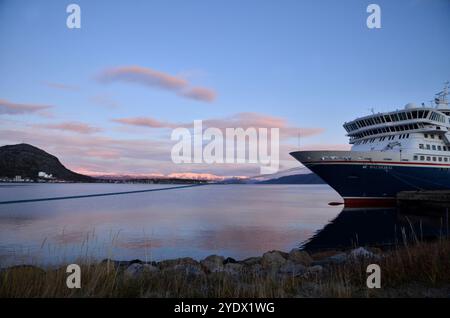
(419, 270)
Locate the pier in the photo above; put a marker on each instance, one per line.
(424, 200)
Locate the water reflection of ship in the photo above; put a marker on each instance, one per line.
(377, 227)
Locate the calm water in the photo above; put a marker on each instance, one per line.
(231, 220)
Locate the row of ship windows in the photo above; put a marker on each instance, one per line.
(393, 118)
(402, 136)
(433, 147)
(429, 158)
(432, 136)
(389, 129)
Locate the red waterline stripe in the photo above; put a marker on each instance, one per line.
(369, 202)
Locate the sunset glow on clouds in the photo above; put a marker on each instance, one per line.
(90, 148)
(86, 149)
(240, 120)
(13, 108)
(105, 98)
(76, 127)
(156, 79)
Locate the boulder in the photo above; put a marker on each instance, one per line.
(338, 258)
(315, 269)
(136, 270)
(335, 259)
(298, 256)
(292, 269)
(255, 269)
(178, 261)
(187, 269)
(272, 260)
(251, 261)
(229, 260)
(118, 264)
(361, 252)
(312, 271)
(213, 263)
(233, 269)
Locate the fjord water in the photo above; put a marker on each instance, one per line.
(232, 220)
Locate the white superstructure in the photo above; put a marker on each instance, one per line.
(415, 133)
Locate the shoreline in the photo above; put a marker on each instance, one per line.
(410, 270)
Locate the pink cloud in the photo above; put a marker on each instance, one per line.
(61, 86)
(142, 75)
(103, 154)
(77, 127)
(95, 154)
(11, 108)
(200, 93)
(151, 78)
(144, 122)
(258, 120)
(239, 120)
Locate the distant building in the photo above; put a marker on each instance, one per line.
(44, 175)
(18, 179)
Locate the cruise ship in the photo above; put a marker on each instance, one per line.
(407, 149)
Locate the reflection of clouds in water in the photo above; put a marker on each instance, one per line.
(70, 237)
(231, 220)
(139, 244)
(245, 240)
(16, 220)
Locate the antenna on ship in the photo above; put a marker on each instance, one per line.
(372, 110)
(441, 99)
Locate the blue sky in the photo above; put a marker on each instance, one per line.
(312, 64)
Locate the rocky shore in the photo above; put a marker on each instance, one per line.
(417, 270)
(296, 263)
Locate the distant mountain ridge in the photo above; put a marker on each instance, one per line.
(304, 178)
(27, 161)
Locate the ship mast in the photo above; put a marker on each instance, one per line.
(441, 99)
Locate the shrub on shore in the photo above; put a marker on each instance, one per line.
(419, 270)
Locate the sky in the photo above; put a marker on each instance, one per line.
(105, 98)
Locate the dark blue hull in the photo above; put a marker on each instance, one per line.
(355, 180)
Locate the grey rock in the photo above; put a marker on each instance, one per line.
(187, 269)
(338, 258)
(255, 269)
(233, 268)
(272, 260)
(229, 260)
(213, 263)
(300, 257)
(310, 289)
(251, 261)
(361, 252)
(315, 269)
(178, 261)
(290, 268)
(335, 259)
(312, 271)
(136, 270)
